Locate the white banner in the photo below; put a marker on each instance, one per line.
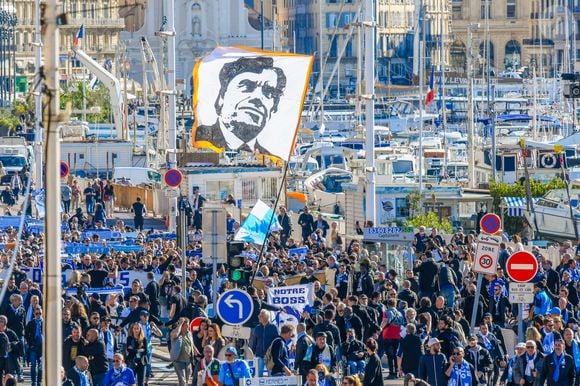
(125, 278)
(294, 296)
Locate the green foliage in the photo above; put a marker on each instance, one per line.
(498, 190)
(414, 201)
(431, 220)
(20, 107)
(8, 120)
(99, 97)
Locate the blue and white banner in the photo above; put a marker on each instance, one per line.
(301, 252)
(295, 296)
(255, 227)
(71, 291)
(124, 279)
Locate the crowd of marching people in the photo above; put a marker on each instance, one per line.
(366, 321)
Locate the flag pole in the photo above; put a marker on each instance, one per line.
(282, 186)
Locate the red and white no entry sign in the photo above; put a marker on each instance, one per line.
(522, 266)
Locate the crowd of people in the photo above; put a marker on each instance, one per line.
(367, 321)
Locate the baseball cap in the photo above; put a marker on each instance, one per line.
(232, 350)
(521, 345)
(555, 311)
(433, 341)
(144, 313)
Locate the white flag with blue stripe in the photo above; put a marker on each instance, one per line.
(255, 227)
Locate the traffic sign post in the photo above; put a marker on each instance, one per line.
(214, 243)
(521, 293)
(64, 169)
(522, 267)
(486, 254)
(490, 223)
(173, 178)
(235, 307)
(236, 332)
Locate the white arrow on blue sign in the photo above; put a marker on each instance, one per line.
(235, 307)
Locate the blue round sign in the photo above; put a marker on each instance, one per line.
(173, 178)
(63, 169)
(490, 223)
(235, 307)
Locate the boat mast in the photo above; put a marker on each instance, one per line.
(369, 24)
(321, 74)
(442, 91)
(470, 107)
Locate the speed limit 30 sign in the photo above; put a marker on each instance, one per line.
(486, 254)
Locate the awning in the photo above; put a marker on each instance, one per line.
(514, 205)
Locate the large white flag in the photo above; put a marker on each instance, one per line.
(249, 100)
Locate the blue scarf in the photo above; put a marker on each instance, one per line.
(510, 368)
(460, 376)
(83, 377)
(548, 342)
(557, 363)
(576, 353)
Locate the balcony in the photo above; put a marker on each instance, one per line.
(95, 23)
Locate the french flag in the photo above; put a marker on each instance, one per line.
(80, 34)
(431, 93)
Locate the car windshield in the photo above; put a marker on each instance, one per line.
(12, 161)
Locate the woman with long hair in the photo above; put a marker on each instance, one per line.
(79, 314)
(324, 376)
(373, 370)
(351, 380)
(136, 352)
(532, 333)
(214, 338)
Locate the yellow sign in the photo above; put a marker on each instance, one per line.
(558, 148)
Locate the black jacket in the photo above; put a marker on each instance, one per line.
(16, 319)
(301, 347)
(67, 360)
(75, 378)
(567, 371)
(316, 351)
(332, 333)
(432, 369)
(428, 273)
(480, 359)
(520, 368)
(373, 372)
(411, 350)
(351, 349)
(408, 296)
(258, 306)
(30, 336)
(498, 309)
(95, 351)
(279, 356)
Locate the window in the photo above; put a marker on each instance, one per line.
(511, 9)
(402, 207)
(219, 190)
(486, 9)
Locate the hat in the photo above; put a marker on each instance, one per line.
(95, 295)
(555, 311)
(144, 313)
(232, 350)
(521, 345)
(433, 341)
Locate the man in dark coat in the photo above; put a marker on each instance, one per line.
(306, 222)
(286, 224)
(558, 368)
(139, 211)
(152, 291)
(95, 351)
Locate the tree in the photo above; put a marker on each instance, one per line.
(99, 97)
(8, 122)
(431, 220)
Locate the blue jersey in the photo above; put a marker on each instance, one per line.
(239, 369)
(121, 377)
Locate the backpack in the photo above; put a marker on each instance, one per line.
(268, 359)
(395, 318)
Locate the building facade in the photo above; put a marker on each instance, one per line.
(539, 34)
(200, 26)
(102, 25)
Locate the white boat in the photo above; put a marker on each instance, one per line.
(325, 189)
(555, 215)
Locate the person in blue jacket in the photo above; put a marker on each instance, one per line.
(433, 364)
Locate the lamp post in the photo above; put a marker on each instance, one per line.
(8, 21)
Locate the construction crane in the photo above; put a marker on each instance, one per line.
(114, 87)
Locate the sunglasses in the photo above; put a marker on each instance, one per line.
(530, 347)
(117, 361)
(456, 353)
(229, 355)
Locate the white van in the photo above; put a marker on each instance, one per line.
(137, 176)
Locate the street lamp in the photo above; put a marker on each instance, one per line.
(8, 21)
